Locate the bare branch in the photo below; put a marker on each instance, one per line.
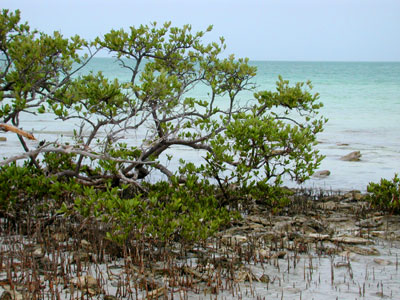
(71, 150)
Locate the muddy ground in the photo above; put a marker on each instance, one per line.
(321, 247)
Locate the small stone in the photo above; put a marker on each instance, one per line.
(283, 226)
(348, 195)
(344, 205)
(59, 237)
(363, 251)
(351, 240)
(264, 278)
(259, 220)
(92, 292)
(330, 205)
(353, 196)
(38, 252)
(353, 156)
(280, 254)
(358, 196)
(379, 233)
(382, 262)
(327, 248)
(245, 275)
(256, 227)
(81, 256)
(342, 264)
(350, 255)
(370, 223)
(85, 244)
(263, 253)
(86, 282)
(322, 174)
(317, 236)
(234, 239)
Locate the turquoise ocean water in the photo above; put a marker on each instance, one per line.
(361, 101)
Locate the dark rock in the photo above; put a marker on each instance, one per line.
(264, 278)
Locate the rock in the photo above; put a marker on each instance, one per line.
(233, 239)
(264, 278)
(330, 205)
(259, 220)
(342, 264)
(86, 282)
(349, 255)
(327, 248)
(263, 253)
(280, 255)
(81, 256)
(156, 293)
(370, 223)
(382, 262)
(358, 196)
(85, 245)
(363, 251)
(317, 236)
(336, 219)
(283, 226)
(380, 234)
(38, 252)
(60, 237)
(3, 139)
(351, 240)
(322, 174)
(344, 205)
(353, 156)
(315, 226)
(256, 227)
(245, 275)
(353, 195)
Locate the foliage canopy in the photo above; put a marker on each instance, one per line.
(243, 144)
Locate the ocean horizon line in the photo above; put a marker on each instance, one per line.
(291, 61)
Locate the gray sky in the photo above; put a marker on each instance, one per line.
(327, 30)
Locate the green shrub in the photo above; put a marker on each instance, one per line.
(25, 190)
(170, 211)
(385, 195)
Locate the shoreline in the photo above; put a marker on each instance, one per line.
(344, 176)
(331, 246)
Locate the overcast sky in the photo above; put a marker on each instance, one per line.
(310, 30)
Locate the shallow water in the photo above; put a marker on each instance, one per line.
(361, 101)
(340, 277)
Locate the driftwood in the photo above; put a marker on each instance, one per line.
(7, 127)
